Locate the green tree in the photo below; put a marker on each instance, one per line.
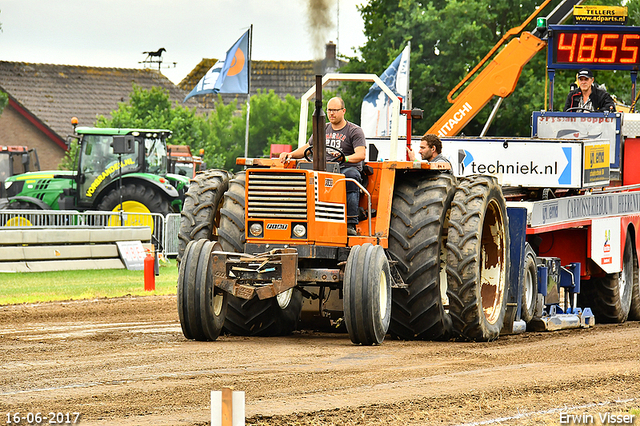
(223, 140)
(272, 120)
(448, 38)
(68, 162)
(152, 109)
(220, 132)
(4, 100)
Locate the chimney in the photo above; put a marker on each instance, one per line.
(330, 60)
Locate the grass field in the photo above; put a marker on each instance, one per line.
(35, 287)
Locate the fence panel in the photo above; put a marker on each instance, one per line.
(172, 223)
(95, 219)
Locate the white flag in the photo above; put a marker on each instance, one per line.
(375, 115)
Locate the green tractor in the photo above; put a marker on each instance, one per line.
(116, 169)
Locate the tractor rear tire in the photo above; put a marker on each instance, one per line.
(529, 284)
(367, 294)
(478, 259)
(200, 216)
(611, 296)
(276, 316)
(201, 307)
(136, 193)
(417, 238)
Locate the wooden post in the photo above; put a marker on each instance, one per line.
(227, 407)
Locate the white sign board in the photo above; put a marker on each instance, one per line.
(517, 163)
(605, 244)
(531, 163)
(132, 254)
(583, 126)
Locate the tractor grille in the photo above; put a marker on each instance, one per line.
(277, 195)
(42, 185)
(330, 211)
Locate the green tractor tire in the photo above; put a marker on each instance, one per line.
(136, 198)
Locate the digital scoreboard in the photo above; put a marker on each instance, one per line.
(594, 47)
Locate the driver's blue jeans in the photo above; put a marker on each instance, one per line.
(353, 193)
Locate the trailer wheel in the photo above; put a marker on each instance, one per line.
(529, 284)
(136, 198)
(367, 294)
(200, 216)
(276, 316)
(417, 238)
(201, 307)
(634, 312)
(478, 259)
(611, 295)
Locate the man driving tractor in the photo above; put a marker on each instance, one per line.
(343, 137)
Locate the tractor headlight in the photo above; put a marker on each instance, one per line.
(299, 231)
(256, 229)
(7, 185)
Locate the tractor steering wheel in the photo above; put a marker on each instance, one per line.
(340, 159)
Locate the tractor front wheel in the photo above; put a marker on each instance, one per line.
(367, 294)
(201, 307)
(22, 220)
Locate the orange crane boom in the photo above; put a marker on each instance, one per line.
(499, 78)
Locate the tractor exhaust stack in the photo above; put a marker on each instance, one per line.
(319, 135)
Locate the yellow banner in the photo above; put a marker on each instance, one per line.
(596, 163)
(600, 14)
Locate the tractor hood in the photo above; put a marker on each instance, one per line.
(45, 174)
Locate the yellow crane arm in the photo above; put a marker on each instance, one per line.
(499, 78)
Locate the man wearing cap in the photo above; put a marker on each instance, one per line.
(588, 96)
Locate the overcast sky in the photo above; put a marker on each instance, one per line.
(114, 33)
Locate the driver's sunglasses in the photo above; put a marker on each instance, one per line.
(335, 110)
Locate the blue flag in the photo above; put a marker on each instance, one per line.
(375, 114)
(230, 75)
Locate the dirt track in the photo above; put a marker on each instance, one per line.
(125, 362)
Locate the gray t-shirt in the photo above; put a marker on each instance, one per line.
(345, 139)
(441, 159)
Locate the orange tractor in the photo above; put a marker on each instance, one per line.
(257, 246)
(438, 253)
(182, 162)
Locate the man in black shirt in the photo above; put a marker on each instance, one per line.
(588, 96)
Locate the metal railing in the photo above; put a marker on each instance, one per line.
(165, 229)
(171, 227)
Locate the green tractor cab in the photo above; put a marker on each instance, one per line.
(136, 181)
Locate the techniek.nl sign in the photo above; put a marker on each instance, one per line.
(518, 163)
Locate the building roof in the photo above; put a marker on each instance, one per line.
(52, 94)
